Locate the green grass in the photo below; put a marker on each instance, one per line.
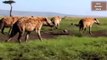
(61, 47)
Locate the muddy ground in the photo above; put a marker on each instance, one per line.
(54, 34)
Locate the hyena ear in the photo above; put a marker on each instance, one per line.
(32, 16)
(45, 19)
(95, 19)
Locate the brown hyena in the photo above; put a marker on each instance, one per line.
(56, 21)
(28, 25)
(8, 22)
(87, 23)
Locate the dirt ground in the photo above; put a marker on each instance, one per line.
(53, 34)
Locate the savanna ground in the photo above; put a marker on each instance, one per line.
(58, 45)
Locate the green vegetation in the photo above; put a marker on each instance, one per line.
(63, 47)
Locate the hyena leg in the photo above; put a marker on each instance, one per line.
(27, 36)
(84, 30)
(2, 30)
(80, 29)
(56, 27)
(39, 35)
(19, 37)
(10, 29)
(12, 34)
(90, 31)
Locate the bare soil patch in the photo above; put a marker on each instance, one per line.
(52, 34)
